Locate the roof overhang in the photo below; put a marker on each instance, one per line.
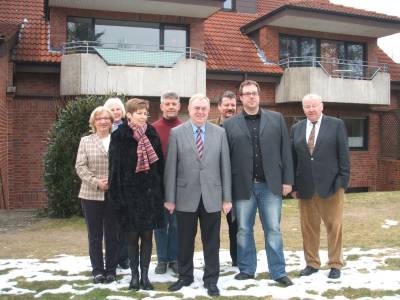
(325, 21)
(185, 8)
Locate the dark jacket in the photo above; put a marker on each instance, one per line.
(328, 169)
(138, 198)
(275, 151)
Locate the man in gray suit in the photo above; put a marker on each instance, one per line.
(322, 168)
(197, 182)
(262, 171)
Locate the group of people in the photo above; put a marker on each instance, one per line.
(168, 176)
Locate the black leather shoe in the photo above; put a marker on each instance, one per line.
(212, 289)
(243, 276)
(109, 278)
(284, 281)
(307, 271)
(124, 264)
(161, 268)
(334, 273)
(179, 284)
(173, 266)
(99, 278)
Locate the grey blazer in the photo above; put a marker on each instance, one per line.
(329, 167)
(187, 177)
(275, 151)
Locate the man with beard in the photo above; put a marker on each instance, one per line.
(227, 108)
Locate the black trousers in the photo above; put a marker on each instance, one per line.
(101, 221)
(232, 225)
(210, 224)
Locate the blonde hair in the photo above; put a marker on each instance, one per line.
(115, 101)
(95, 112)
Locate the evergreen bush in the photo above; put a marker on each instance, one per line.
(61, 181)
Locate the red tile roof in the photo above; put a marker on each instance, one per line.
(34, 34)
(394, 68)
(8, 29)
(230, 50)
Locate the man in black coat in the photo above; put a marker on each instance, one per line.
(262, 171)
(322, 170)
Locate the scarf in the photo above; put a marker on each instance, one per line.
(145, 152)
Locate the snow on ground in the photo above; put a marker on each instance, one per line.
(364, 269)
(389, 223)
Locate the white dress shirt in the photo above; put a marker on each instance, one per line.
(309, 128)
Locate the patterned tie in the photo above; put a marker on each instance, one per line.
(311, 138)
(199, 142)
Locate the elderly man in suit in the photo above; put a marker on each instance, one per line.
(322, 168)
(198, 185)
(262, 171)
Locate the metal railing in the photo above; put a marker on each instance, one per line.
(340, 68)
(134, 54)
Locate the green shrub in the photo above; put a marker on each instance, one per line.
(60, 178)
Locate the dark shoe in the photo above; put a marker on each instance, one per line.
(174, 267)
(109, 278)
(124, 264)
(234, 264)
(179, 284)
(99, 278)
(307, 271)
(144, 280)
(134, 284)
(161, 268)
(243, 276)
(212, 289)
(284, 281)
(334, 273)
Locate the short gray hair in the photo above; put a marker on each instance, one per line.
(311, 96)
(169, 95)
(199, 96)
(115, 101)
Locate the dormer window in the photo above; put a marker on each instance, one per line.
(229, 5)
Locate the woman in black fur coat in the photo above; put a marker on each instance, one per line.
(136, 186)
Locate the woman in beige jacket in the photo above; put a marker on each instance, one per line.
(92, 168)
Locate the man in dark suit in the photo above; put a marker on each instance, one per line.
(227, 109)
(262, 171)
(322, 168)
(197, 181)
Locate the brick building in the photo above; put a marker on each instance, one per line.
(52, 49)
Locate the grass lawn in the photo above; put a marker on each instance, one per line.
(364, 213)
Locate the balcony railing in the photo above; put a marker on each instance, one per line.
(340, 68)
(134, 55)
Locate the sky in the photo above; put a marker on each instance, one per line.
(390, 44)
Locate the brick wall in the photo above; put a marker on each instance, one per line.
(388, 175)
(58, 23)
(30, 120)
(3, 132)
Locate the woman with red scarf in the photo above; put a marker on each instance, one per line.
(136, 168)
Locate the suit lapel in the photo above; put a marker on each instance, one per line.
(209, 138)
(263, 121)
(243, 125)
(188, 129)
(303, 134)
(99, 144)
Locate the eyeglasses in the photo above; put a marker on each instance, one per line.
(248, 94)
(314, 106)
(103, 119)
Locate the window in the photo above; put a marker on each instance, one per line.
(357, 131)
(79, 29)
(229, 4)
(294, 46)
(119, 33)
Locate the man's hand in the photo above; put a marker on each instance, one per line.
(286, 189)
(226, 207)
(103, 184)
(295, 194)
(170, 207)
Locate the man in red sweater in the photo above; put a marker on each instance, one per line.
(166, 238)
